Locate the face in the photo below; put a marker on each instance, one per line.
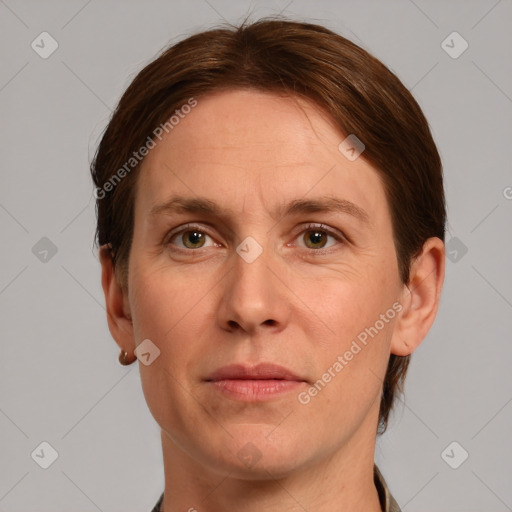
(257, 242)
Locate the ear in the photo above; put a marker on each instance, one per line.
(420, 298)
(116, 300)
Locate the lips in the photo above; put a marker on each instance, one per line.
(262, 371)
(263, 382)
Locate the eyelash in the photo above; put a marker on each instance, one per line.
(340, 237)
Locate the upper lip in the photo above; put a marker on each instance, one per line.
(261, 371)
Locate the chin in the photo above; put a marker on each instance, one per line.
(257, 452)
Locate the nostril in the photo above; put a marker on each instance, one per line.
(269, 322)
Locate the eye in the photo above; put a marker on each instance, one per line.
(316, 236)
(189, 237)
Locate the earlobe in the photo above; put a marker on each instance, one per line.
(420, 298)
(116, 301)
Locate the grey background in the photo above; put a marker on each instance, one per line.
(60, 381)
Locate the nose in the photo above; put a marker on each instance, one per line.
(254, 297)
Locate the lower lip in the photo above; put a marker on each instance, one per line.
(255, 390)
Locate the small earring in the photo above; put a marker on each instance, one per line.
(123, 358)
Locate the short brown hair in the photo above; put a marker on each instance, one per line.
(299, 59)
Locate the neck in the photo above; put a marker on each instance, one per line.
(340, 482)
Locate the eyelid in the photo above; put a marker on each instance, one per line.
(323, 227)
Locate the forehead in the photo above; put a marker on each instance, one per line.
(273, 128)
(244, 146)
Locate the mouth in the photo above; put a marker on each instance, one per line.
(254, 383)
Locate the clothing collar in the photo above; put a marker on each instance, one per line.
(387, 502)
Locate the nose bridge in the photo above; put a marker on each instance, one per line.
(251, 276)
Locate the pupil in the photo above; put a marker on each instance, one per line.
(316, 237)
(195, 237)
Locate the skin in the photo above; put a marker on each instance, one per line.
(299, 304)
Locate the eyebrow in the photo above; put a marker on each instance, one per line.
(202, 205)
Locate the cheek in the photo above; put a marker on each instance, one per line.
(350, 299)
(163, 298)
(359, 313)
(163, 308)
(350, 372)
(173, 308)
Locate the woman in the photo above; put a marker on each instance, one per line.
(271, 228)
